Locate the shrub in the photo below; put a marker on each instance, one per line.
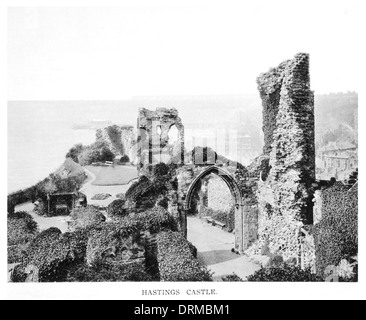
(124, 159)
(163, 202)
(232, 278)
(19, 274)
(336, 236)
(27, 218)
(139, 188)
(52, 253)
(276, 261)
(107, 273)
(285, 273)
(117, 208)
(193, 249)
(75, 151)
(87, 216)
(112, 237)
(155, 220)
(121, 196)
(101, 196)
(21, 228)
(97, 152)
(147, 193)
(114, 243)
(175, 260)
(17, 253)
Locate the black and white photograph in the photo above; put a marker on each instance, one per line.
(182, 148)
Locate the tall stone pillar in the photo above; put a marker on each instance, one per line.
(286, 194)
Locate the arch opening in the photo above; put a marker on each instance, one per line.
(197, 203)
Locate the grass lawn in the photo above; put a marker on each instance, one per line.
(111, 176)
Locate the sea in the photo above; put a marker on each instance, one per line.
(40, 133)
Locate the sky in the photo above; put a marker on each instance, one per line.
(195, 48)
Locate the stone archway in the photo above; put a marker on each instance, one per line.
(235, 191)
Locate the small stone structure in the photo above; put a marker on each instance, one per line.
(64, 203)
(153, 137)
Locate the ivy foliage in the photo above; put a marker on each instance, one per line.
(21, 230)
(176, 261)
(336, 236)
(117, 208)
(86, 216)
(285, 273)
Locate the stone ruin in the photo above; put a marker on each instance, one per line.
(153, 138)
(286, 192)
(274, 195)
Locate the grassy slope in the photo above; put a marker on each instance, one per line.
(110, 176)
(72, 168)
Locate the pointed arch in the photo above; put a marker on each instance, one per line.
(224, 175)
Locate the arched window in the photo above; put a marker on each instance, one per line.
(173, 135)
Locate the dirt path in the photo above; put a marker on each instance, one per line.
(214, 250)
(61, 222)
(44, 223)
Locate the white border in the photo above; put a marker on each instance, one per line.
(132, 291)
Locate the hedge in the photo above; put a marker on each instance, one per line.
(107, 273)
(156, 220)
(232, 278)
(117, 208)
(17, 253)
(21, 228)
(52, 253)
(139, 188)
(61, 257)
(285, 273)
(111, 234)
(175, 259)
(336, 236)
(146, 192)
(86, 216)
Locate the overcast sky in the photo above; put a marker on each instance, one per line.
(117, 53)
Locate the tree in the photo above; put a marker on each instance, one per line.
(88, 156)
(124, 159)
(106, 154)
(75, 151)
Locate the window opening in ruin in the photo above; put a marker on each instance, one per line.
(158, 130)
(173, 135)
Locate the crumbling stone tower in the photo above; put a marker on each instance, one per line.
(289, 130)
(153, 138)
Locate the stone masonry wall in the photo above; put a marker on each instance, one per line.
(285, 196)
(153, 137)
(219, 195)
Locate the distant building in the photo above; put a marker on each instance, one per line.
(337, 159)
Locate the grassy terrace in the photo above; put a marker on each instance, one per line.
(111, 176)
